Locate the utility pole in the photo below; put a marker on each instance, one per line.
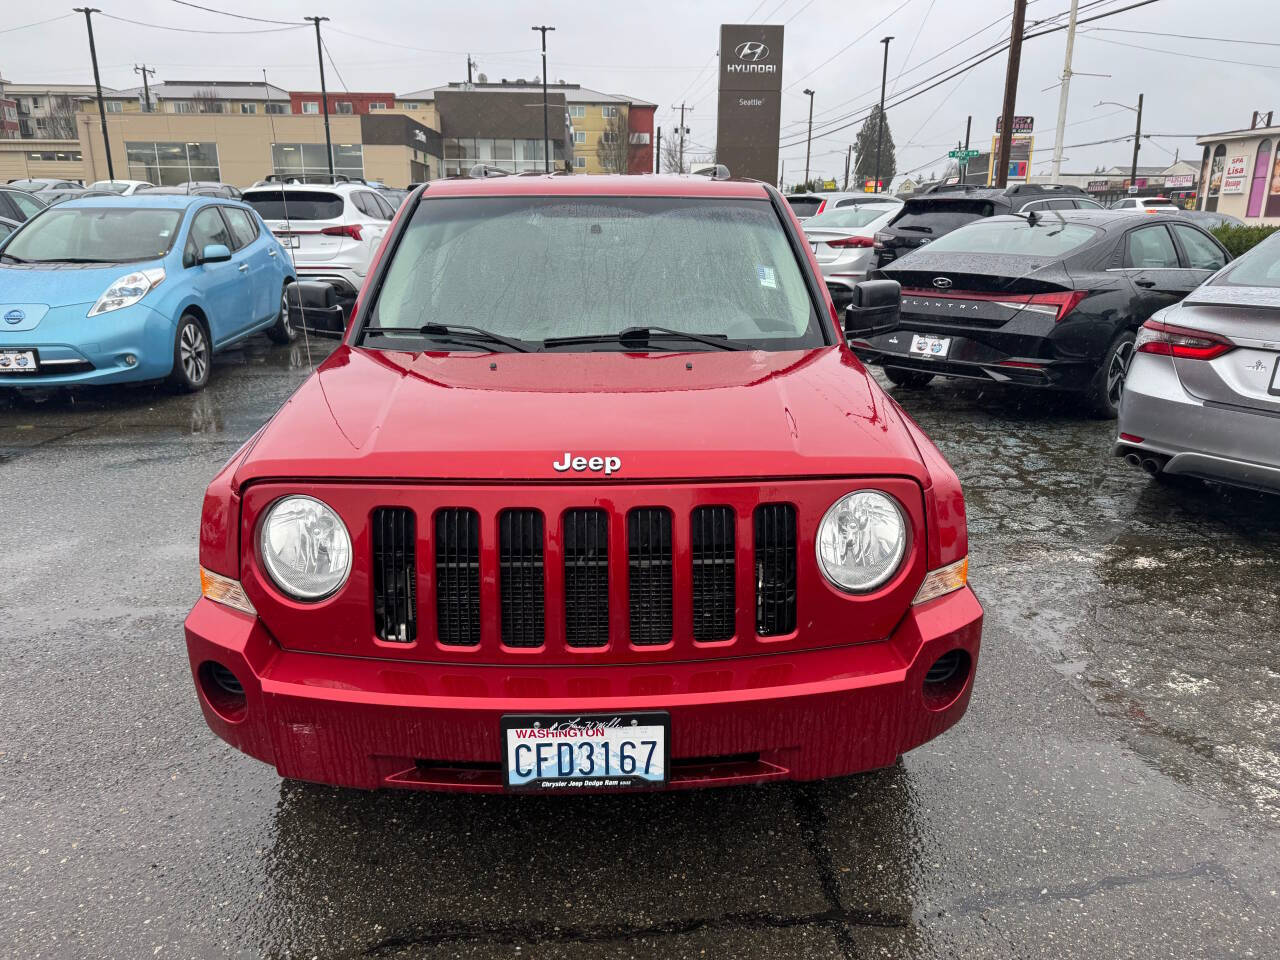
(470, 63)
(848, 158)
(324, 94)
(1062, 96)
(884, 76)
(964, 164)
(97, 82)
(657, 153)
(1137, 144)
(808, 140)
(1010, 92)
(546, 129)
(146, 88)
(682, 109)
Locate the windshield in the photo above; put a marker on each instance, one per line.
(846, 217)
(31, 186)
(805, 206)
(535, 268)
(114, 186)
(1260, 267)
(936, 218)
(96, 235)
(1049, 237)
(299, 204)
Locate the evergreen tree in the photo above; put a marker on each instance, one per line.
(864, 149)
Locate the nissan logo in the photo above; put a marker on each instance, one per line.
(15, 316)
(942, 283)
(753, 51)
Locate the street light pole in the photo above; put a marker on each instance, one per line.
(808, 140)
(546, 128)
(1137, 145)
(884, 76)
(97, 82)
(1062, 96)
(324, 94)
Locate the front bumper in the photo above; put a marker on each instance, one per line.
(368, 723)
(75, 350)
(1189, 437)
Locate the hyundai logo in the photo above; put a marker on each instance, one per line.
(753, 51)
(942, 283)
(15, 316)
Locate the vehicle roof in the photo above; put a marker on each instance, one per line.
(146, 199)
(1104, 218)
(589, 185)
(312, 187)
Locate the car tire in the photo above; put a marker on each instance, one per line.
(283, 331)
(192, 356)
(911, 379)
(1102, 396)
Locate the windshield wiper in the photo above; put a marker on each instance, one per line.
(11, 258)
(457, 333)
(643, 336)
(921, 228)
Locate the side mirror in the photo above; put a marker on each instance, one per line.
(876, 308)
(314, 307)
(215, 253)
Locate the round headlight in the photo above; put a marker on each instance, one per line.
(305, 547)
(861, 540)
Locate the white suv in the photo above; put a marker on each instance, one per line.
(330, 231)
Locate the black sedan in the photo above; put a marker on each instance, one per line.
(1040, 300)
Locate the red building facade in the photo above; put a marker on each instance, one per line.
(640, 133)
(341, 103)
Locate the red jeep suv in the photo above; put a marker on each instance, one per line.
(593, 496)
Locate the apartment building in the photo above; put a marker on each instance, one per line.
(46, 111)
(243, 98)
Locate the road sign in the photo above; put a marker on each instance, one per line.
(828, 184)
(962, 154)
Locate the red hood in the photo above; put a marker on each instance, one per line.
(370, 413)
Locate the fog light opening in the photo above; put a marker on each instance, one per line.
(946, 678)
(223, 691)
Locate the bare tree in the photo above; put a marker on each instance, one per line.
(671, 156)
(614, 147)
(59, 119)
(206, 101)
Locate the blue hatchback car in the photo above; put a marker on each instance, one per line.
(115, 289)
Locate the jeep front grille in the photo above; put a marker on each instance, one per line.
(458, 577)
(649, 567)
(586, 578)
(520, 577)
(775, 542)
(712, 541)
(395, 574)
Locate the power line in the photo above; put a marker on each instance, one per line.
(405, 46)
(228, 13)
(1188, 36)
(919, 89)
(1179, 53)
(38, 23)
(160, 26)
(336, 71)
(860, 36)
(797, 13)
(912, 49)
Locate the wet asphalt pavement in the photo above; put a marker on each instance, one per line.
(1114, 790)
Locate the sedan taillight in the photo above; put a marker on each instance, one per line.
(1166, 340)
(351, 230)
(852, 242)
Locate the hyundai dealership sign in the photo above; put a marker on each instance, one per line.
(750, 109)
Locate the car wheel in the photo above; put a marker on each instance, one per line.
(912, 379)
(283, 331)
(1103, 394)
(192, 356)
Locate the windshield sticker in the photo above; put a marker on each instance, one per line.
(767, 277)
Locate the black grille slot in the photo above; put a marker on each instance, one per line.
(395, 574)
(520, 539)
(586, 578)
(458, 577)
(712, 540)
(775, 535)
(649, 575)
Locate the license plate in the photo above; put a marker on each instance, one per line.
(568, 754)
(929, 346)
(290, 240)
(18, 361)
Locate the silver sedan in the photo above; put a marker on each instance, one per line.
(842, 241)
(1202, 395)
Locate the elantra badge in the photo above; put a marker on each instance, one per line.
(595, 464)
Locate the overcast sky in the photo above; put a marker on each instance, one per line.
(664, 52)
